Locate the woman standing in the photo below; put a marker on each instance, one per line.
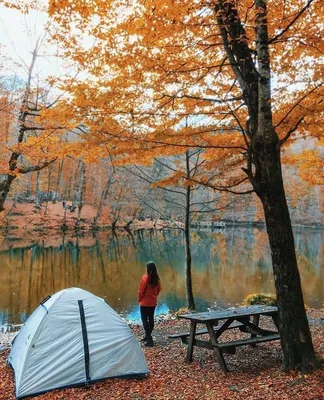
(148, 291)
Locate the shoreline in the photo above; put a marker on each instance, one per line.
(53, 235)
(158, 224)
(24, 220)
(315, 318)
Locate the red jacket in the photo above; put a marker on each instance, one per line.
(147, 294)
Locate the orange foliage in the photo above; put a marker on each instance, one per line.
(153, 65)
(156, 82)
(310, 164)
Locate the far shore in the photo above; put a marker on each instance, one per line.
(25, 223)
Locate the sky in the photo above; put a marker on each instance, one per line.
(18, 36)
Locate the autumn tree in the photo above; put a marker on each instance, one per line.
(155, 64)
(39, 130)
(172, 178)
(33, 140)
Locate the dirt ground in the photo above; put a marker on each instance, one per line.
(255, 373)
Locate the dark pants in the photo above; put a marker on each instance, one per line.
(147, 316)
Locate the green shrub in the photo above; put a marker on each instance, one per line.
(260, 299)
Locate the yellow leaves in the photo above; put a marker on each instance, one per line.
(158, 80)
(21, 5)
(310, 164)
(177, 178)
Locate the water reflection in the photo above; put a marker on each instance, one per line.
(227, 266)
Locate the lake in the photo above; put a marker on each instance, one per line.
(228, 265)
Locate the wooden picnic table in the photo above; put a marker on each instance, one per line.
(246, 319)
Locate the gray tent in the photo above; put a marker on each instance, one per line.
(73, 338)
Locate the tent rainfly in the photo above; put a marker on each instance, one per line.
(73, 338)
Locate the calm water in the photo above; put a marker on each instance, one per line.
(227, 266)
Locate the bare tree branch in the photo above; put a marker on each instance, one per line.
(301, 12)
(297, 104)
(291, 130)
(186, 96)
(33, 168)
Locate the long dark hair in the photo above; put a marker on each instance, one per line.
(152, 273)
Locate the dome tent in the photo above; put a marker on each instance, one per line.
(73, 338)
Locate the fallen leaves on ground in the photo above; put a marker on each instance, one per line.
(254, 373)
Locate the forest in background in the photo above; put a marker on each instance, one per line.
(118, 196)
(60, 169)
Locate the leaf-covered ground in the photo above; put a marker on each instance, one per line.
(254, 373)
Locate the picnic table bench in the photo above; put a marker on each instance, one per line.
(246, 319)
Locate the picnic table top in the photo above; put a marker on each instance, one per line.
(230, 313)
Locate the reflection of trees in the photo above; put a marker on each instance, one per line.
(114, 247)
(226, 267)
(161, 246)
(99, 254)
(35, 254)
(131, 236)
(234, 246)
(310, 253)
(75, 252)
(309, 245)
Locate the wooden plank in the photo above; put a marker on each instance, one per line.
(253, 329)
(254, 333)
(252, 340)
(207, 344)
(193, 325)
(275, 318)
(255, 321)
(217, 350)
(203, 331)
(186, 334)
(230, 313)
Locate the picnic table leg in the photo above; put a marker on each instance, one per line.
(255, 321)
(193, 325)
(275, 320)
(218, 352)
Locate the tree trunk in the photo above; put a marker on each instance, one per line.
(268, 183)
(29, 186)
(58, 189)
(103, 200)
(24, 112)
(38, 202)
(49, 181)
(129, 222)
(80, 191)
(189, 292)
(265, 175)
(293, 325)
(5, 184)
